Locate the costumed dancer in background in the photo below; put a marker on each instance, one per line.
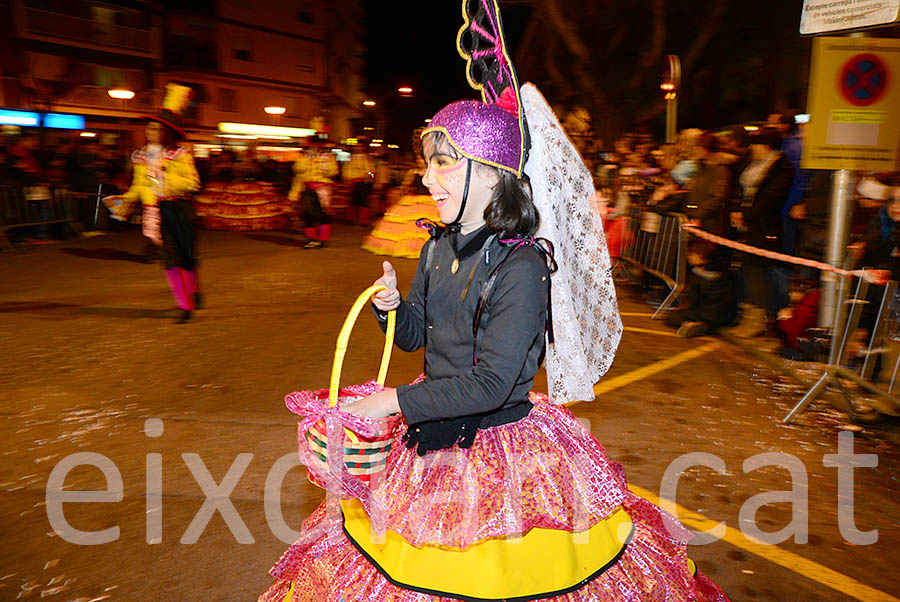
(397, 233)
(164, 177)
(360, 171)
(313, 171)
(494, 492)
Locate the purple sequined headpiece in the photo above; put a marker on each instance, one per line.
(491, 130)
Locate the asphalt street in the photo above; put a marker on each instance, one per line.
(91, 352)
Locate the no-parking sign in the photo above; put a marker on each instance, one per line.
(854, 105)
(863, 79)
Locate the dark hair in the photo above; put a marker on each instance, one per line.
(511, 210)
(707, 141)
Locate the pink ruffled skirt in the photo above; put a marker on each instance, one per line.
(544, 471)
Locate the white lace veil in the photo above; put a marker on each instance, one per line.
(586, 323)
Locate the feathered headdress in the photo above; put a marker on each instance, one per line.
(175, 103)
(492, 130)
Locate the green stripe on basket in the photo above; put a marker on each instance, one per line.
(314, 437)
(364, 465)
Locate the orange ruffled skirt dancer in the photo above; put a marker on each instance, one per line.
(396, 234)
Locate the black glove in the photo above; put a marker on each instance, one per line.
(442, 434)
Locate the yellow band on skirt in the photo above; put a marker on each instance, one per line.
(543, 563)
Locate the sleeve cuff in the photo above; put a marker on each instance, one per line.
(407, 408)
(381, 316)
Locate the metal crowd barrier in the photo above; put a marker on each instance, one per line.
(33, 207)
(850, 312)
(656, 244)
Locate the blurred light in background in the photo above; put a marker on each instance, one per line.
(62, 121)
(25, 118)
(121, 93)
(264, 131)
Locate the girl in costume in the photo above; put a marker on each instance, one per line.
(164, 177)
(492, 492)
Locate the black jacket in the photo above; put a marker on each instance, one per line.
(762, 211)
(510, 335)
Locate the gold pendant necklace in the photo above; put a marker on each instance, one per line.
(455, 265)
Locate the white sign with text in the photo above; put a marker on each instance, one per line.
(825, 16)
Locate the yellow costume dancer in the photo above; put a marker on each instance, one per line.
(164, 178)
(312, 185)
(359, 172)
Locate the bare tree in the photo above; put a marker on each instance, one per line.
(606, 55)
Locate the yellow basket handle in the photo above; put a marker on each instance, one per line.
(344, 337)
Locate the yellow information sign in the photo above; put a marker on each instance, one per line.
(854, 105)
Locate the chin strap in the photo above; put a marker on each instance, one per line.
(454, 226)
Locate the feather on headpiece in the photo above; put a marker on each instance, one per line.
(175, 103)
(177, 98)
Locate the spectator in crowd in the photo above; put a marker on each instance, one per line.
(792, 147)
(709, 195)
(709, 295)
(738, 157)
(810, 215)
(765, 183)
(878, 250)
(672, 193)
(794, 322)
(880, 246)
(706, 202)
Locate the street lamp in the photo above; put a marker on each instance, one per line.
(405, 90)
(121, 93)
(275, 112)
(369, 103)
(671, 81)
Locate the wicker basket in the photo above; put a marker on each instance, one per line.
(364, 453)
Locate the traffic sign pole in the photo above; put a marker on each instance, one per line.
(671, 119)
(843, 184)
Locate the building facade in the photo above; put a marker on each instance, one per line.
(239, 56)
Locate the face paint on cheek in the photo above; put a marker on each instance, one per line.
(448, 175)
